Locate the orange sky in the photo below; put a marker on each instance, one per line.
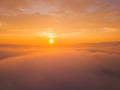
(69, 21)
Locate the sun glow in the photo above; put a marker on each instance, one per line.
(50, 35)
(51, 41)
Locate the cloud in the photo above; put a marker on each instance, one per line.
(103, 51)
(11, 7)
(88, 16)
(110, 73)
(60, 69)
(9, 51)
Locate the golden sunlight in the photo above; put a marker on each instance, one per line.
(51, 41)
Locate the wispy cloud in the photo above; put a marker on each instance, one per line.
(89, 16)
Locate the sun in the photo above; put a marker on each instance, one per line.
(51, 41)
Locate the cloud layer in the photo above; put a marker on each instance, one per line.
(86, 67)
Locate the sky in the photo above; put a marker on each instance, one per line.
(69, 21)
(31, 30)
